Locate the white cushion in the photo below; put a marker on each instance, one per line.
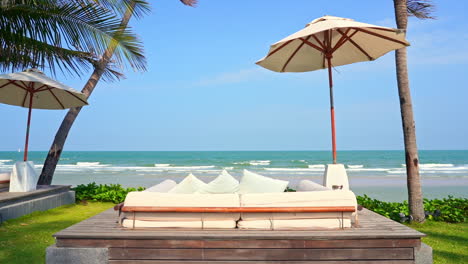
(224, 183)
(256, 183)
(310, 186)
(180, 224)
(181, 200)
(299, 199)
(188, 185)
(163, 186)
(298, 224)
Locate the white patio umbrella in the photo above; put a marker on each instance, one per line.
(331, 41)
(33, 89)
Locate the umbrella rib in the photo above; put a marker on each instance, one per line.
(6, 84)
(16, 84)
(76, 97)
(357, 45)
(381, 36)
(343, 39)
(43, 86)
(318, 41)
(60, 103)
(385, 29)
(293, 54)
(280, 47)
(312, 45)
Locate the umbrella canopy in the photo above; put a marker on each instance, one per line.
(331, 41)
(33, 89)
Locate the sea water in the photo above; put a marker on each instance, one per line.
(380, 174)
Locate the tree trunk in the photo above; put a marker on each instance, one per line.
(415, 199)
(56, 149)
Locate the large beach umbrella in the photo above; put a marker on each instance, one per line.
(33, 89)
(331, 41)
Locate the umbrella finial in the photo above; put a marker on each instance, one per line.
(34, 70)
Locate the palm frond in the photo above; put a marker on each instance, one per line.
(73, 26)
(192, 3)
(139, 8)
(422, 9)
(36, 54)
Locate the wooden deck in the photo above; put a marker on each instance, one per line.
(376, 240)
(9, 197)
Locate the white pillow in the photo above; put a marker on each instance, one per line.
(162, 187)
(310, 186)
(224, 183)
(255, 183)
(188, 185)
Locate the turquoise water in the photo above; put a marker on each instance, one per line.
(378, 173)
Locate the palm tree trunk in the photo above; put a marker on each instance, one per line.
(61, 136)
(415, 199)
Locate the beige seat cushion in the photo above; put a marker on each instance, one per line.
(181, 200)
(150, 216)
(299, 199)
(298, 224)
(291, 216)
(180, 224)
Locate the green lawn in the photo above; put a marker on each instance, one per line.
(25, 239)
(449, 242)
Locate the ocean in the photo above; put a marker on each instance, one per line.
(379, 174)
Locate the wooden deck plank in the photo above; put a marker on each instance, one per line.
(262, 254)
(258, 243)
(261, 262)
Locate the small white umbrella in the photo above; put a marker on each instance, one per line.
(33, 89)
(331, 41)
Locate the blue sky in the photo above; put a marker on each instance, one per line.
(203, 91)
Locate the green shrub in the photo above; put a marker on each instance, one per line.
(114, 193)
(451, 210)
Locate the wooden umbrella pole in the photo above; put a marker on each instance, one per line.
(28, 125)
(332, 107)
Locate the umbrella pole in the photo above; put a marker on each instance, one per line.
(332, 107)
(27, 127)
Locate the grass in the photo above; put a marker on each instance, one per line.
(24, 240)
(449, 242)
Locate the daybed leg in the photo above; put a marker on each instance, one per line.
(342, 220)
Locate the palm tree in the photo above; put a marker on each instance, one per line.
(420, 9)
(60, 137)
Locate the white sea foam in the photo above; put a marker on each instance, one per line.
(355, 166)
(259, 162)
(369, 169)
(5, 161)
(228, 168)
(162, 165)
(292, 169)
(87, 164)
(433, 165)
(320, 166)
